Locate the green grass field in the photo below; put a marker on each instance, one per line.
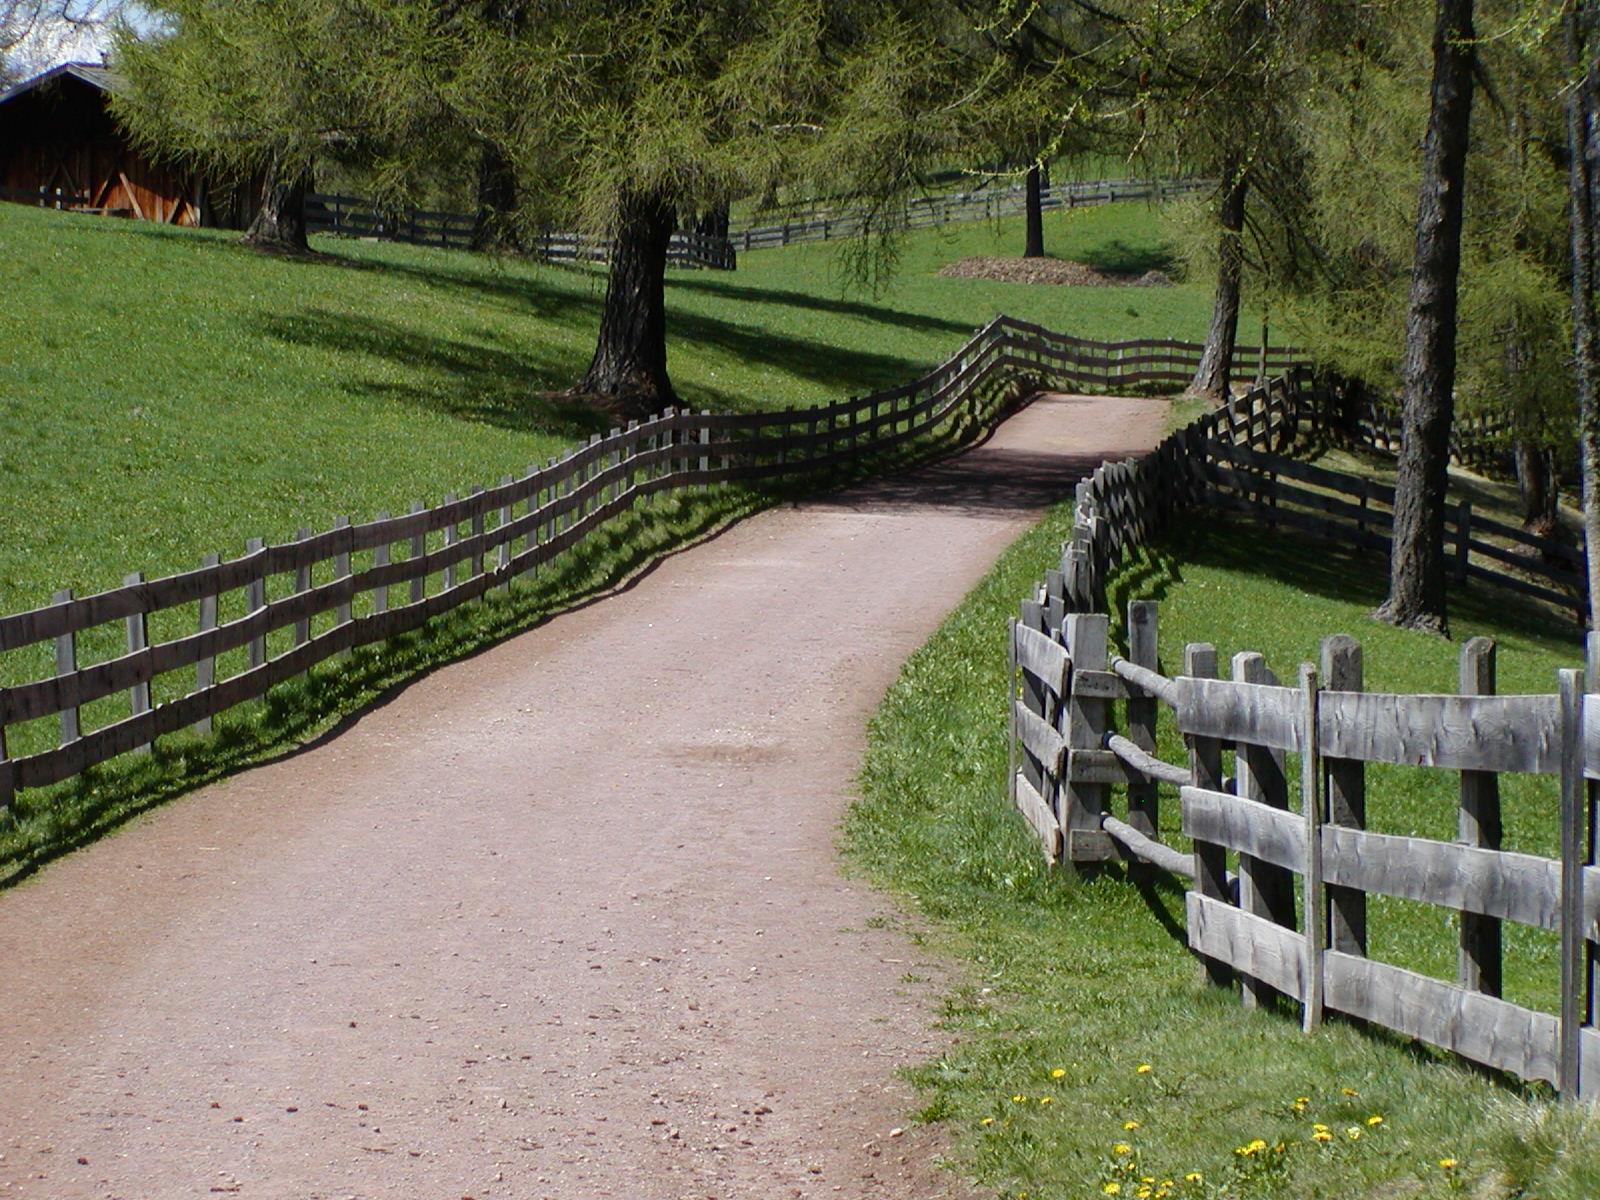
(173, 393)
(1072, 986)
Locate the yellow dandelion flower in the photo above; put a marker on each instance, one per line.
(987, 1121)
(1143, 1191)
(1166, 1183)
(1130, 1125)
(1111, 1189)
(1353, 1133)
(1374, 1120)
(1448, 1164)
(1322, 1135)
(1058, 1073)
(1319, 1127)
(1043, 1100)
(1122, 1148)
(1143, 1069)
(1019, 1098)
(1147, 1179)
(1194, 1177)
(1348, 1092)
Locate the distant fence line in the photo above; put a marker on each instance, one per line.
(354, 216)
(1067, 752)
(943, 208)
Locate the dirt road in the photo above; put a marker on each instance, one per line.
(561, 920)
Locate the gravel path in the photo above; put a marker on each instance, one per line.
(564, 919)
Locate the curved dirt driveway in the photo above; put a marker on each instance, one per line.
(561, 920)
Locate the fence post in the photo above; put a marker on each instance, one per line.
(205, 668)
(1573, 854)
(255, 593)
(503, 560)
(1479, 960)
(1347, 798)
(1143, 797)
(302, 583)
(380, 558)
(450, 534)
(1264, 890)
(1011, 711)
(419, 548)
(1205, 771)
(67, 664)
(8, 778)
(1033, 699)
(341, 569)
(705, 440)
(1589, 1081)
(1082, 803)
(1311, 803)
(138, 639)
(476, 561)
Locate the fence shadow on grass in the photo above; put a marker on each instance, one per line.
(297, 717)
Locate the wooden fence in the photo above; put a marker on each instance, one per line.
(45, 197)
(106, 674)
(353, 216)
(978, 204)
(1314, 858)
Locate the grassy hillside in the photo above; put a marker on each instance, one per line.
(170, 393)
(1074, 989)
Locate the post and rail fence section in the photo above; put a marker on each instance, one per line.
(1292, 920)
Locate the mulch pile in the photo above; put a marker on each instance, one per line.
(1049, 270)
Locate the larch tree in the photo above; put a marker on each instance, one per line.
(253, 89)
(1417, 579)
(1582, 57)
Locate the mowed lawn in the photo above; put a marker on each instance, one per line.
(169, 393)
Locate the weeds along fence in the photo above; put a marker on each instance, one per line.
(978, 204)
(93, 677)
(353, 216)
(1291, 922)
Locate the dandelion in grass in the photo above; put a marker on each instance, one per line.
(987, 1121)
(1194, 1177)
(1348, 1091)
(1044, 1100)
(1130, 1126)
(1019, 1098)
(1143, 1191)
(1353, 1133)
(1374, 1120)
(1111, 1189)
(1448, 1164)
(1143, 1069)
(1058, 1073)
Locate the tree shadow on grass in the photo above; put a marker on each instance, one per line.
(1339, 571)
(475, 379)
(722, 285)
(1118, 256)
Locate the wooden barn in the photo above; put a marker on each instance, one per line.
(61, 147)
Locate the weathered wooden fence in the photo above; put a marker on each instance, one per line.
(1292, 921)
(978, 204)
(353, 216)
(103, 675)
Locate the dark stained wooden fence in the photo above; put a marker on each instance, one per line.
(353, 216)
(1292, 920)
(978, 204)
(106, 674)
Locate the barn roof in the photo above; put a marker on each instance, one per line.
(96, 75)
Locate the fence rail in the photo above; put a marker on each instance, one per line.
(353, 216)
(1293, 920)
(976, 205)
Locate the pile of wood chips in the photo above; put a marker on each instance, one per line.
(1049, 270)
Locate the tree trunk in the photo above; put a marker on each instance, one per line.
(630, 358)
(1416, 562)
(1035, 213)
(1583, 145)
(1538, 486)
(280, 222)
(713, 222)
(494, 224)
(1215, 372)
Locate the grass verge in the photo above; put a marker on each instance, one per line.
(1075, 988)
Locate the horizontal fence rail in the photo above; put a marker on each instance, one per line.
(1292, 920)
(353, 216)
(978, 204)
